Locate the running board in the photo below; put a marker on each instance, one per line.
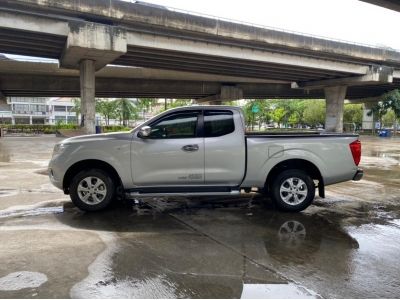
(182, 191)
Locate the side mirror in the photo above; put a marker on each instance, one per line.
(144, 132)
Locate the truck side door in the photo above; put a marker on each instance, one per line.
(225, 148)
(173, 154)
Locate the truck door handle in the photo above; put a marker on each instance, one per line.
(190, 148)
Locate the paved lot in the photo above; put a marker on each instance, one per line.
(346, 245)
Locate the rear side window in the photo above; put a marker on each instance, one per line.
(218, 123)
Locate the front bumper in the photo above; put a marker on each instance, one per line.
(54, 173)
(359, 175)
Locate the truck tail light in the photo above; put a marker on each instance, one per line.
(355, 148)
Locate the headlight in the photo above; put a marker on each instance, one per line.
(59, 148)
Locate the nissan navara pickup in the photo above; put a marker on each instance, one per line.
(202, 151)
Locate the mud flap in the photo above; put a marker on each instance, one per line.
(321, 189)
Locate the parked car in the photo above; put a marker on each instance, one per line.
(202, 150)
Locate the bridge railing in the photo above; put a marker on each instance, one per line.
(255, 25)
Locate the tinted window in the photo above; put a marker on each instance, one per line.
(218, 123)
(175, 127)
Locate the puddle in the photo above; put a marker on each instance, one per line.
(7, 192)
(33, 210)
(276, 291)
(379, 162)
(22, 280)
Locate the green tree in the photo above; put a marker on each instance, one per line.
(391, 101)
(179, 103)
(262, 116)
(108, 109)
(314, 112)
(353, 113)
(388, 117)
(77, 108)
(125, 110)
(279, 115)
(378, 111)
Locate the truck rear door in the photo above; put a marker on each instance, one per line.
(225, 148)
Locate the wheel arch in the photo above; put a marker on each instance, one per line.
(299, 164)
(90, 164)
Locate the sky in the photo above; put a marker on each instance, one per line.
(349, 20)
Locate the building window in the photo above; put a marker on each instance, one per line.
(59, 108)
(21, 108)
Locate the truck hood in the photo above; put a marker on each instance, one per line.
(98, 137)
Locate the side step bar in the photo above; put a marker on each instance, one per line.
(182, 191)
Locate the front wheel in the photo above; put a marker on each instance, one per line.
(92, 190)
(293, 190)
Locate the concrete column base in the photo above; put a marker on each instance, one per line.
(88, 105)
(367, 121)
(334, 108)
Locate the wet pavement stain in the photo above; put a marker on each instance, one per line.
(343, 246)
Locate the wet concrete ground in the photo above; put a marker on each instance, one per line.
(346, 245)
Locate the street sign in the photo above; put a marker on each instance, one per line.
(255, 109)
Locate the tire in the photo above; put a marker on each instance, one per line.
(92, 190)
(293, 190)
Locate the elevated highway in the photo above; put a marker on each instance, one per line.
(44, 79)
(230, 60)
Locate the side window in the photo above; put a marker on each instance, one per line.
(176, 126)
(218, 123)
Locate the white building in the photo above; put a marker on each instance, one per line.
(28, 110)
(38, 110)
(61, 110)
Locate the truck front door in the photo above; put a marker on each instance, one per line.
(173, 154)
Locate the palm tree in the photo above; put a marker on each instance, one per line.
(126, 110)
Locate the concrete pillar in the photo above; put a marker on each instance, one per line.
(368, 121)
(334, 108)
(30, 120)
(88, 105)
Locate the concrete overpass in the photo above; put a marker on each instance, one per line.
(87, 35)
(389, 4)
(44, 79)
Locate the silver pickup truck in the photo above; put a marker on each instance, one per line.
(200, 151)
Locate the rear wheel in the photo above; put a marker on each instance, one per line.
(92, 190)
(293, 190)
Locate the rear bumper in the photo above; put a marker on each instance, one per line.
(359, 174)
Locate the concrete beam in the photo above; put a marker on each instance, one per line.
(91, 41)
(32, 23)
(53, 85)
(159, 42)
(376, 75)
(334, 108)
(40, 68)
(227, 93)
(368, 100)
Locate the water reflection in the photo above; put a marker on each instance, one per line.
(206, 252)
